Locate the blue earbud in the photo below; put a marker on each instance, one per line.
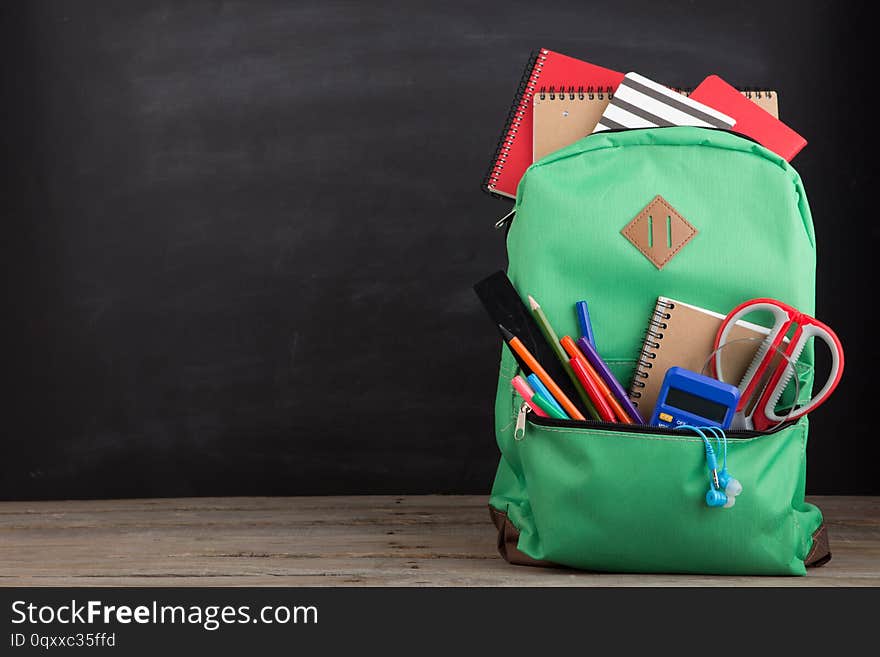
(717, 498)
(727, 482)
(723, 487)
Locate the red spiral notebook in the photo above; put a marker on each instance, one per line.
(751, 120)
(545, 68)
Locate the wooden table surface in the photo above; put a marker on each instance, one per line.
(334, 541)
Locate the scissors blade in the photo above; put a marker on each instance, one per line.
(746, 384)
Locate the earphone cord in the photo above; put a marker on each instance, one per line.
(721, 439)
(699, 432)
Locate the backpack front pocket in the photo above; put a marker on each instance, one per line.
(619, 500)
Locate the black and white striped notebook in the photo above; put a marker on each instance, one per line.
(642, 103)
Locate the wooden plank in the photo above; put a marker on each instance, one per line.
(330, 541)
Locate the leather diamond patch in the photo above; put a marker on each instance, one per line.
(659, 232)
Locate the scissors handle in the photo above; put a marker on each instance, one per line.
(809, 328)
(763, 414)
(782, 319)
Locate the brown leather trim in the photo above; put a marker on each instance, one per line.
(508, 537)
(820, 553)
(659, 231)
(498, 517)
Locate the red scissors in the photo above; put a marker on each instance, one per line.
(763, 414)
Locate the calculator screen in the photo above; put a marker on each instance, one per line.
(696, 405)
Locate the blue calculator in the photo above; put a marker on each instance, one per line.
(690, 398)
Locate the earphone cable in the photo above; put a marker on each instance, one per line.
(699, 432)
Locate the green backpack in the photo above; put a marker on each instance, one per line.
(608, 497)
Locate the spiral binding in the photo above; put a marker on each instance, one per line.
(526, 89)
(592, 93)
(752, 92)
(748, 92)
(653, 335)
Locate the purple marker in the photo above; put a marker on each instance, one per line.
(613, 384)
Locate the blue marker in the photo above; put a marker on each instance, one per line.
(538, 386)
(583, 315)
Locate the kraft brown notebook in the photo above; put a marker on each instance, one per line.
(561, 117)
(684, 335)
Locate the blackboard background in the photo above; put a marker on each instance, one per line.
(239, 238)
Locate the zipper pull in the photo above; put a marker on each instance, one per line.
(505, 219)
(520, 432)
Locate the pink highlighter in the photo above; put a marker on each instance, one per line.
(526, 392)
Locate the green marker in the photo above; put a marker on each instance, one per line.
(544, 404)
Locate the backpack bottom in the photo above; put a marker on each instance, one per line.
(508, 537)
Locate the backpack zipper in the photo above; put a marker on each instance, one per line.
(522, 421)
(507, 219)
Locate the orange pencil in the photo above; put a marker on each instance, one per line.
(532, 363)
(573, 352)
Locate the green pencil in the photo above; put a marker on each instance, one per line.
(550, 336)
